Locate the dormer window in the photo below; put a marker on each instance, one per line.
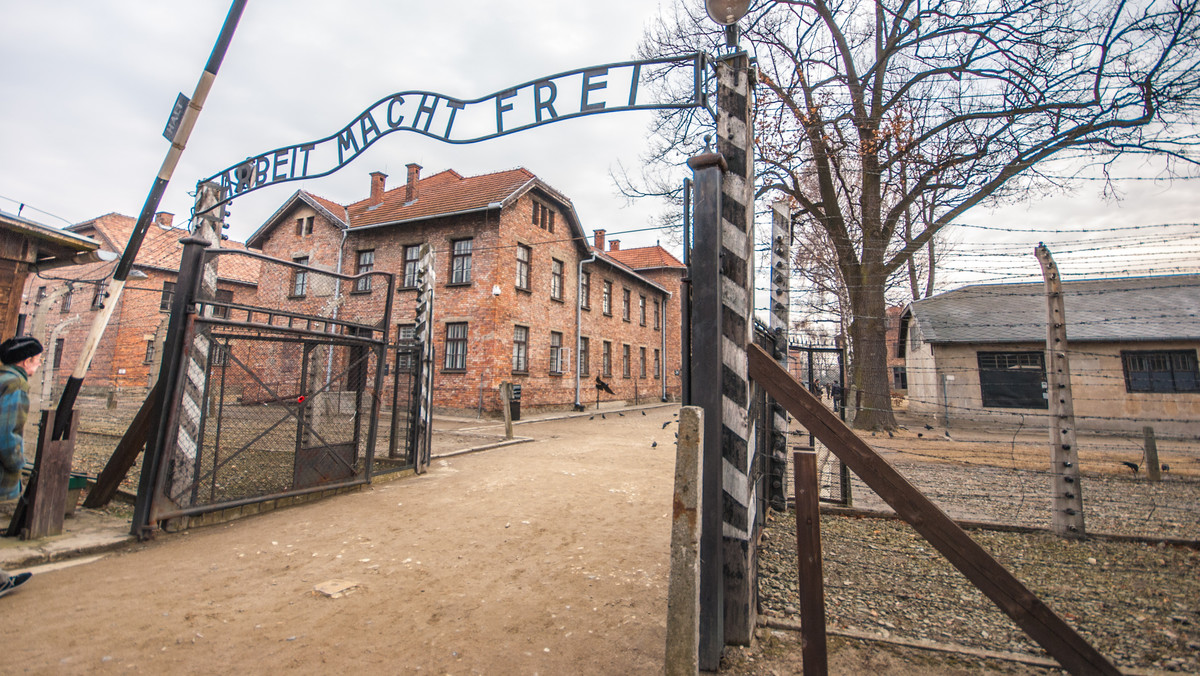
(304, 226)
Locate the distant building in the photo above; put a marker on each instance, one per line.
(979, 353)
(521, 296)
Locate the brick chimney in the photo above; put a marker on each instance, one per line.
(414, 177)
(164, 219)
(598, 237)
(614, 245)
(378, 185)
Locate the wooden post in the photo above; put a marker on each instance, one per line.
(1067, 517)
(683, 591)
(41, 508)
(808, 550)
(506, 407)
(1150, 457)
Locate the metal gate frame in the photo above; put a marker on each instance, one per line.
(192, 315)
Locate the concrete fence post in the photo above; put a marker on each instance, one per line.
(683, 591)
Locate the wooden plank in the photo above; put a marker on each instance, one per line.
(42, 506)
(126, 453)
(808, 548)
(1018, 602)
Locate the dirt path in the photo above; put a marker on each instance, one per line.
(549, 557)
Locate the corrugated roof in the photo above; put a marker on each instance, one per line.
(446, 192)
(647, 257)
(1120, 309)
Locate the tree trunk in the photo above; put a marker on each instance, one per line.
(869, 370)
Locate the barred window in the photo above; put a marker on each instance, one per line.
(1160, 371)
(168, 293)
(606, 359)
(642, 310)
(1012, 379)
(606, 299)
(625, 304)
(584, 356)
(585, 291)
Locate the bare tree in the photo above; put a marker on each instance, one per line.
(868, 111)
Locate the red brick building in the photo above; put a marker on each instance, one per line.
(521, 295)
(60, 305)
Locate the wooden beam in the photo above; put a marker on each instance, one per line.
(1037, 620)
(125, 454)
(808, 548)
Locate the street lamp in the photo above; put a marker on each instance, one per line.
(727, 13)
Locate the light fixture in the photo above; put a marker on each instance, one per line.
(726, 12)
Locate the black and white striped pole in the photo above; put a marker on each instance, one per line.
(179, 129)
(722, 274)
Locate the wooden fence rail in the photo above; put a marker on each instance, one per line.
(1017, 601)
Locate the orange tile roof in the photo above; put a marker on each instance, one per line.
(646, 257)
(446, 192)
(161, 248)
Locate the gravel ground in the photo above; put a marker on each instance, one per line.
(1138, 604)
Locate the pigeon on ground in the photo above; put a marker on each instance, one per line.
(1166, 467)
(603, 417)
(654, 445)
(620, 414)
(592, 418)
(643, 413)
(1131, 465)
(947, 433)
(665, 424)
(890, 435)
(928, 426)
(919, 434)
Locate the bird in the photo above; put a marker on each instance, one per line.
(1131, 465)
(919, 434)
(592, 418)
(1166, 467)
(928, 426)
(603, 417)
(890, 435)
(947, 433)
(654, 445)
(643, 413)
(665, 424)
(620, 414)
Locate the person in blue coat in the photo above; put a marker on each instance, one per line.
(21, 356)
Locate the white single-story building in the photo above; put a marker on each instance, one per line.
(978, 353)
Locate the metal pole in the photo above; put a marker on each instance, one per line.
(66, 403)
(685, 301)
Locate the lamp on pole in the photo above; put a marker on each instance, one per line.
(727, 13)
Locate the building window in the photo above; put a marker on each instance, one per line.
(899, 378)
(556, 353)
(657, 319)
(299, 278)
(606, 359)
(149, 359)
(606, 299)
(406, 338)
(585, 291)
(641, 362)
(625, 366)
(1012, 379)
(456, 347)
(41, 294)
(366, 263)
(657, 364)
(220, 308)
(412, 262)
(304, 226)
(101, 292)
(1160, 371)
(220, 354)
(59, 344)
(66, 301)
(556, 279)
(625, 304)
(460, 261)
(584, 357)
(168, 293)
(642, 310)
(520, 349)
(524, 256)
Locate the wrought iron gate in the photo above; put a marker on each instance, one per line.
(278, 391)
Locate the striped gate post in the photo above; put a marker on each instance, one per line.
(207, 225)
(736, 284)
(423, 331)
(780, 321)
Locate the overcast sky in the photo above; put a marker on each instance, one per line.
(88, 86)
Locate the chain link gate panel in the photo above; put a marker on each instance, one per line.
(285, 384)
